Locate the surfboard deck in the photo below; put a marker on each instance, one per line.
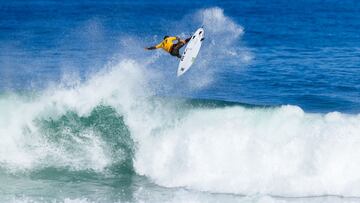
(191, 51)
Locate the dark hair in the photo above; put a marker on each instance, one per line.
(166, 36)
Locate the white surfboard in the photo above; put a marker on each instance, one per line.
(191, 51)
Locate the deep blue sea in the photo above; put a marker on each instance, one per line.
(269, 112)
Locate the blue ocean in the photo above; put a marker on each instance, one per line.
(269, 111)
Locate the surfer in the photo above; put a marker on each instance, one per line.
(168, 45)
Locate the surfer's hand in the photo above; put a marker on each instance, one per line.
(150, 48)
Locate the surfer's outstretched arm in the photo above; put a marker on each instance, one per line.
(154, 47)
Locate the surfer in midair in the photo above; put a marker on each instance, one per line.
(169, 46)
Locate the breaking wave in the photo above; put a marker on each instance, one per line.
(113, 123)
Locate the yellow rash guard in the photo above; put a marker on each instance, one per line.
(166, 44)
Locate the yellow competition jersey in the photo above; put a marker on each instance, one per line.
(166, 44)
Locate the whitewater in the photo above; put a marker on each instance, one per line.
(117, 123)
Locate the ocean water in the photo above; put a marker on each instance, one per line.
(269, 112)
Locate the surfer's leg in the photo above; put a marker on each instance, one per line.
(175, 52)
(185, 41)
(175, 49)
(178, 46)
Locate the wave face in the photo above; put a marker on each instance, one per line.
(57, 129)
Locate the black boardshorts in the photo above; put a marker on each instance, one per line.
(174, 51)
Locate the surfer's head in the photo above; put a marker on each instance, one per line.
(166, 36)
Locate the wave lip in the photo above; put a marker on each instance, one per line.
(78, 128)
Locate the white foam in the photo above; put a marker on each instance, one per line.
(216, 22)
(279, 151)
(24, 146)
(25, 199)
(276, 151)
(221, 46)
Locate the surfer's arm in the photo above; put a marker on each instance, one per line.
(154, 47)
